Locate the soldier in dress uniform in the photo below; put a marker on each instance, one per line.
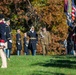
(26, 42)
(18, 42)
(33, 38)
(2, 41)
(69, 39)
(45, 39)
(74, 38)
(9, 38)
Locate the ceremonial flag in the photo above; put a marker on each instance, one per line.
(73, 10)
(68, 14)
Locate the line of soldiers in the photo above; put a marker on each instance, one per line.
(31, 44)
(43, 36)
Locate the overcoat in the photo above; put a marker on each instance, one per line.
(8, 37)
(32, 42)
(18, 41)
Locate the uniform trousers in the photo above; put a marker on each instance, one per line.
(33, 52)
(18, 52)
(3, 58)
(44, 49)
(7, 51)
(26, 50)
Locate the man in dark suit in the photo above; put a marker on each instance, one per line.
(9, 39)
(33, 38)
(2, 41)
(18, 42)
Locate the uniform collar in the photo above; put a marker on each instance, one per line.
(32, 31)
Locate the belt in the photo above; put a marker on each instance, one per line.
(32, 38)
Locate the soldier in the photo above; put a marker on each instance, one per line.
(74, 38)
(45, 40)
(33, 38)
(9, 39)
(2, 41)
(69, 39)
(18, 42)
(25, 40)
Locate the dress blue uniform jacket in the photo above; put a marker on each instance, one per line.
(3, 31)
(8, 37)
(25, 44)
(18, 41)
(32, 42)
(25, 41)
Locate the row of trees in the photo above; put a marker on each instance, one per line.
(24, 13)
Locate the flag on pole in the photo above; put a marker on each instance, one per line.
(73, 10)
(69, 9)
(65, 5)
(68, 14)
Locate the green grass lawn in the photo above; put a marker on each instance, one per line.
(40, 65)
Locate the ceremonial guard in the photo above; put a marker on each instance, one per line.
(74, 38)
(33, 38)
(26, 42)
(18, 42)
(69, 39)
(45, 39)
(2, 41)
(9, 38)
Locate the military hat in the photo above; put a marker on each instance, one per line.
(1, 16)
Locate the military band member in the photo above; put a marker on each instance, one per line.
(18, 42)
(26, 42)
(45, 39)
(9, 38)
(2, 41)
(33, 38)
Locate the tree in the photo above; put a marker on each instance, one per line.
(24, 13)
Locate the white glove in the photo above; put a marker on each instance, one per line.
(26, 45)
(10, 41)
(18, 43)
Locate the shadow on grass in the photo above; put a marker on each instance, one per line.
(61, 63)
(71, 57)
(66, 56)
(46, 73)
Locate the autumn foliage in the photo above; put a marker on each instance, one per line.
(43, 12)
